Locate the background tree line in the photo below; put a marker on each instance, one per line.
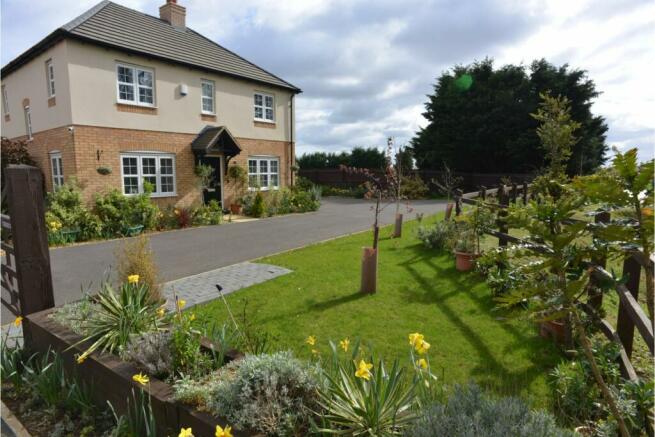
(358, 157)
(479, 119)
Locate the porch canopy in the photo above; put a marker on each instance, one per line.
(215, 141)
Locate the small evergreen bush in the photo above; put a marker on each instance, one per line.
(258, 207)
(274, 393)
(438, 237)
(469, 413)
(66, 207)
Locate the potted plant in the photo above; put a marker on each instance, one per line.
(205, 173)
(465, 251)
(238, 177)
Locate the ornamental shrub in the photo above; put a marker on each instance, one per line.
(135, 257)
(210, 214)
(65, 206)
(274, 393)
(258, 207)
(413, 187)
(151, 351)
(119, 212)
(469, 413)
(439, 236)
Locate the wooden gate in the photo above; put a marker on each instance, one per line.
(26, 276)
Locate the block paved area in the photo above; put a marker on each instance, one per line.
(200, 288)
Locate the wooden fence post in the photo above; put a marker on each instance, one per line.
(30, 240)
(625, 327)
(503, 199)
(525, 192)
(515, 193)
(483, 192)
(595, 295)
(458, 202)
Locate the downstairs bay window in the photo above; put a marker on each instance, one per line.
(263, 172)
(157, 169)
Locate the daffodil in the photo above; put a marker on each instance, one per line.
(185, 432)
(18, 321)
(422, 347)
(133, 279)
(141, 378)
(422, 363)
(193, 317)
(344, 344)
(81, 358)
(223, 432)
(364, 370)
(181, 303)
(311, 340)
(415, 338)
(161, 312)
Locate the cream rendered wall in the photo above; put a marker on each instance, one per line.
(29, 82)
(93, 75)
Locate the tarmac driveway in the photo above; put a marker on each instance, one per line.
(196, 250)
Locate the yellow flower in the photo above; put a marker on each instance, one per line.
(311, 340)
(18, 321)
(315, 351)
(193, 317)
(177, 211)
(141, 378)
(344, 344)
(181, 303)
(422, 347)
(223, 432)
(415, 338)
(81, 358)
(133, 279)
(422, 363)
(364, 370)
(161, 312)
(185, 432)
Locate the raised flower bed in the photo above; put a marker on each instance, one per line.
(111, 379)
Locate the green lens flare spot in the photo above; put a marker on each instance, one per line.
(464, 82)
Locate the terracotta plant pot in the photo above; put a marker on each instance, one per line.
(555, 329)
(369, 270)
(398, 227)
(464, 261)
(235, 208)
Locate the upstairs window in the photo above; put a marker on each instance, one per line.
(28, 122)
(158, 169)
(135, 85)
(57, 170)
(264, 107)
(50, 77)
(5, 100)
(207, 96)
(263, 172)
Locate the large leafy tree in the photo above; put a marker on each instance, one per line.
(359, 157)
(479, 119)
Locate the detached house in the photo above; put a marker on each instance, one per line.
(117, 97)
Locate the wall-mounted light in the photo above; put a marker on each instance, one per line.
(184, 89)
(99, 153)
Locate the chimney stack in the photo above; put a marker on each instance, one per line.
(173, 13)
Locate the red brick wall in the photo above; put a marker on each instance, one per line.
(81, 159)
(44, 142)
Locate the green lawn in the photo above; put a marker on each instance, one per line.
(418, 290)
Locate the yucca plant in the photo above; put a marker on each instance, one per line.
(362, 399)
(119, 316)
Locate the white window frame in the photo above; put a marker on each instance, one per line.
(56, 169)
(50, 77)
(211, 98)
(158, 156)
(28, 122)
(268, 172)
(5, 100)
(136, 86)
(263, 107)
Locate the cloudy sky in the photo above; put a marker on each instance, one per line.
(366, 66)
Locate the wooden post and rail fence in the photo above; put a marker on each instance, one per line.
(26, 274)
(631, 315)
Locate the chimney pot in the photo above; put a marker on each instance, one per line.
(173, 13)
